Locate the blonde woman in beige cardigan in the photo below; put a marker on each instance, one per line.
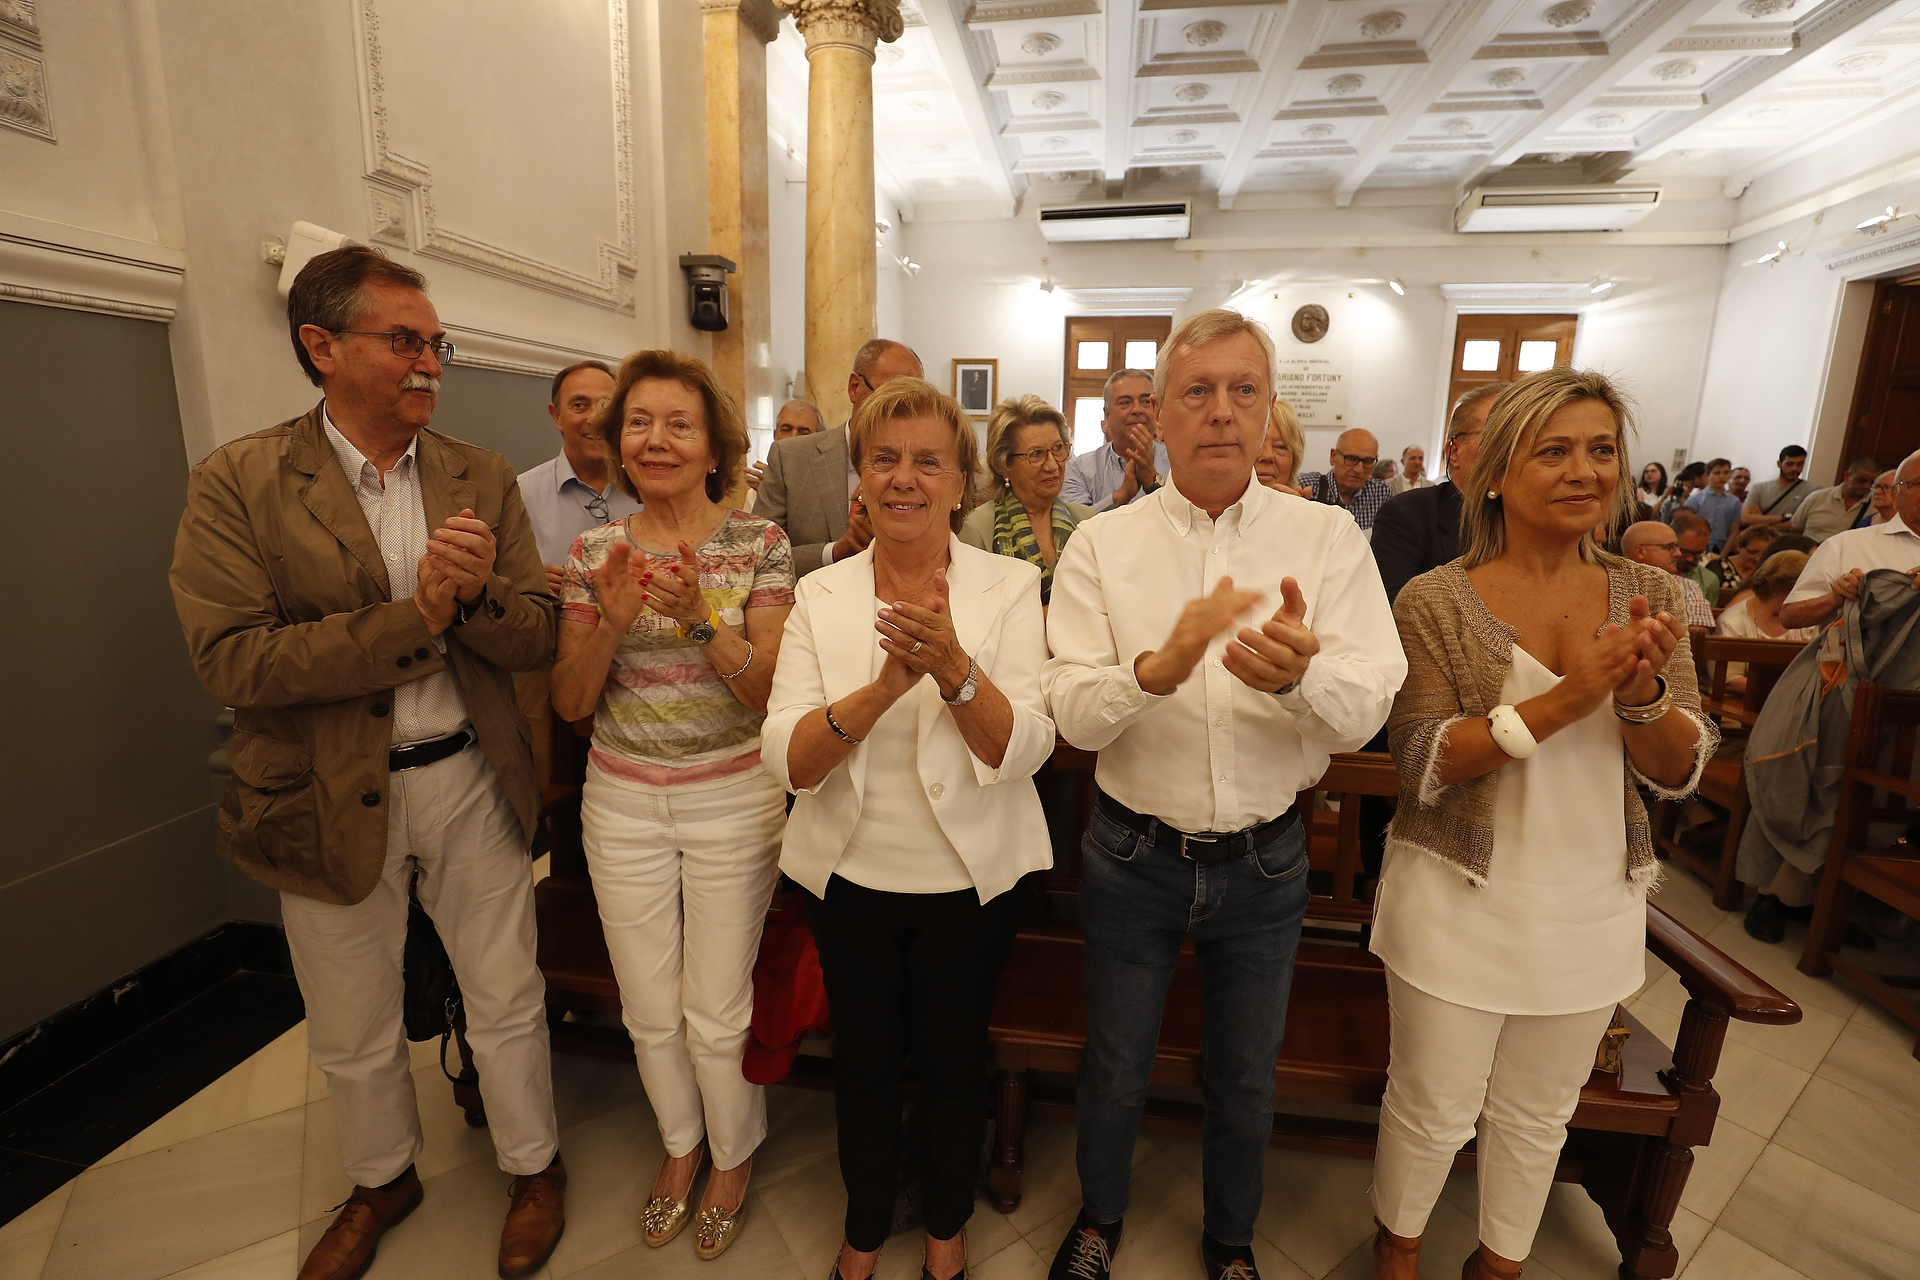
(1544, 677)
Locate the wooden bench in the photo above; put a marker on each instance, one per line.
(1884, 727)
(1722, 783)
(1630, 1142)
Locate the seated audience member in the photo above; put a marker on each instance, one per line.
(1757, 615)
(1691, 530)
(807, 485)
(1881, 498)
(910, 854)
(1653, 487)
(1348, 481)
(1385, 471)
(670, 624)
(1773, 502)
(796, 418)
(1843, 506)
(1692, 478)
(1720, 509)
(1735, 568)
(1833, 572)
(1420, 530)
(1512, 915)
(1206, 728)
(1280, 449)
(1413, 471)
(1656, 545)
(1132, 463)
(367, 656)
(1028, 444)
(1739, 482)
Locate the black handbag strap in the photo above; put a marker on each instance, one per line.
(1784, 494)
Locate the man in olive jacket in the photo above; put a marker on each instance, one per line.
(359, 589)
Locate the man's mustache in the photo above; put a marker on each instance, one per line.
(420, 382)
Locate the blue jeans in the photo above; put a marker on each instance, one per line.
(1137, 900)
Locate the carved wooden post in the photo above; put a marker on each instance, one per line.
(1646, 1244)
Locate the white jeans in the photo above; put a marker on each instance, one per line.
(452, 820)
(683, 876)
(1519, 1076)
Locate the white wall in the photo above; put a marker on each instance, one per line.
(1774, 342)
(978, 296)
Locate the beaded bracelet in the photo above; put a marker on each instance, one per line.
(834, 725)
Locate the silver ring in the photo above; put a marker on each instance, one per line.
(916, 646)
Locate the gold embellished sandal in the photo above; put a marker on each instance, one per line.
(715, 1228)
(664, 1217)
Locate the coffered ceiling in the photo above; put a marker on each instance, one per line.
(982, 103)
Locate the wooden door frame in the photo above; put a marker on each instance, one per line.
(1851, 445)
(1857, 269)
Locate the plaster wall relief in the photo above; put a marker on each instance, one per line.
(439, 133)
(23, 72)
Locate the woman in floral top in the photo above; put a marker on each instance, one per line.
(669, 626)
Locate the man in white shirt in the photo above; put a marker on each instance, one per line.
(1205, 734)
(1132, 463)
(1413, 471)
(568, 494)
(1833, 572)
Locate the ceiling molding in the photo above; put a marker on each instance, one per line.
(983, 11)
(950, 47)
(74, 269)
(1469, 297)
(1293, 40)
(1330, 113)
(1100, 301)
(516, 353)
(1901, 248)
(1509, 48)
(1771, 37)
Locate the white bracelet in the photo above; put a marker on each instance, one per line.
(1510, 732)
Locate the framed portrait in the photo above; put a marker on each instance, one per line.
(976, 385)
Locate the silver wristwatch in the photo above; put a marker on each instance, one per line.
(701, 632)
(968, 687)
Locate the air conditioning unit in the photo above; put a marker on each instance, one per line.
(1172, 220)
(1554, 208)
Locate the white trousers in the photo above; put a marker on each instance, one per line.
(1450, 1066)
(452, 821)
(683, 876)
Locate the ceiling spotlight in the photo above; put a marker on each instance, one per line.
(1768, 259)
(1881, 221)
(882, 225)
(909, 266)
(1600, 285)
(1395, 285)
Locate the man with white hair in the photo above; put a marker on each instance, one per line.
(1833, 572)
(1348, 480)
(1206, 731)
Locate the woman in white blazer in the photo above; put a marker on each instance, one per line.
(907, 714)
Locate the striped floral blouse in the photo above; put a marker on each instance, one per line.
(665, 717)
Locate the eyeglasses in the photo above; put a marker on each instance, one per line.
(407, 346)
(1355, 460)
(1038, 457)
(1903, 485)
(679, 429)
(597, 508)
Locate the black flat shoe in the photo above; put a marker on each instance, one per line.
(925, 1274)
(1226, 1262)
(1087, 1252)
(1766, 919)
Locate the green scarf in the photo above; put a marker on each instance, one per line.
(1013, 536)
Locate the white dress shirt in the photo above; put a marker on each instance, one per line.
(1120, 585)
(556, 500)
(1881, 546)
(430, 707)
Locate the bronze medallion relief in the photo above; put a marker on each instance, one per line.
(1310, 323)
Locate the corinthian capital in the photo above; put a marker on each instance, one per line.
(858, 24)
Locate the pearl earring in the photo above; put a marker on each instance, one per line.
(1493, 495)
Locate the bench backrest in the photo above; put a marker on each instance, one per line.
(1880, 749)
(1764, 661)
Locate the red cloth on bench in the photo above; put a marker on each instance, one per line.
(789, 995)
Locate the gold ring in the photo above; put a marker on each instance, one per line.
(916, 646)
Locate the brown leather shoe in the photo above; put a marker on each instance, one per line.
(346, 1250)
(535, 1220)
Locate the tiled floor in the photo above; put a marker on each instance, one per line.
(1814, 1172)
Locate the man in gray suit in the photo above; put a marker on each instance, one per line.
(808, 486)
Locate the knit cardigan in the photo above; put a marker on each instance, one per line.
(1458, 658)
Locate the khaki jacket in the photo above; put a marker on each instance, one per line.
(283, 595)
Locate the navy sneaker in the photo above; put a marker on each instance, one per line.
(1087, 1252)
(1225, 1261)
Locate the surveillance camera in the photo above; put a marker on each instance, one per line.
(706, 289)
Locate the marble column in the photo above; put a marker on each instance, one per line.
(735, 38)
(841, 262)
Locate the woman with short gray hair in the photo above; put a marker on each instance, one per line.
(1028, 444)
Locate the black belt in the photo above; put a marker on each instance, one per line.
(426, 753)
(1203, 846)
